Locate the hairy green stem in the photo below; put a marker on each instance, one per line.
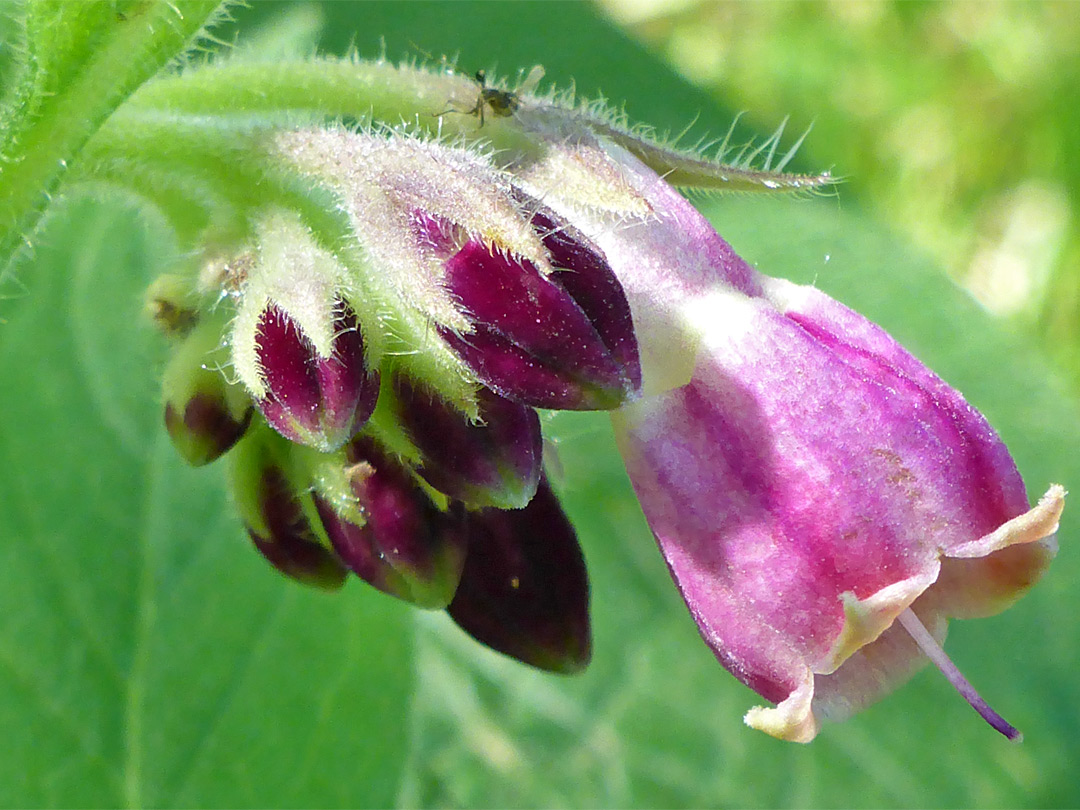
(318, 89)
(223, 163)
(436, 102)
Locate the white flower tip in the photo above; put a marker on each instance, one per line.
(1038, 523)
(792, 719)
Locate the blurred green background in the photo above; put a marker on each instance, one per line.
(149, 658)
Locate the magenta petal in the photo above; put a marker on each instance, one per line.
(810, 462)
(807, 479)
(524, 590)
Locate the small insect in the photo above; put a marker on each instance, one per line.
(501, 103)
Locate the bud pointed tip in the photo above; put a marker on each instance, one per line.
(321, 402)
(404, 546)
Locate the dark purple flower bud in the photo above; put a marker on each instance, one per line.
(524, 590)
(406, 546)
(291, 546)
(563, 341)
(314, 400)
(585, 274)
(495, 462)
(273, 512)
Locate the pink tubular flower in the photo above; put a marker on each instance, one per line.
(809, 482)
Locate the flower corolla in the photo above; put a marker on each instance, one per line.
(824, 502)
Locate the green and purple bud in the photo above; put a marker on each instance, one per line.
(278, 512)
(524, 302)
(172, 303)
(319, 401)
(205, 414)
(525, 591)
(297, 343)
(563, 340)
(393, 535)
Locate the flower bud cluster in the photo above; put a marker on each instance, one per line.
(377, 395)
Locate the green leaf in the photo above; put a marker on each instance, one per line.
(148, 656)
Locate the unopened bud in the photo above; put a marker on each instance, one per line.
(172, 304)
(564, 340)
(493, 462)
(318, 401)
(297, 341)
(205, 414)
(524, 590)
(277, 514)
(399, 541)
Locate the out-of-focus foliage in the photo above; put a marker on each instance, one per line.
(957, 122)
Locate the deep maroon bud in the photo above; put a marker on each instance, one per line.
(318, 401)
(584, 273)
(273, 512)
(407, 546)
(291, 546)
(495, 462)
(534, 340)
(205, 414)
(524, 590)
